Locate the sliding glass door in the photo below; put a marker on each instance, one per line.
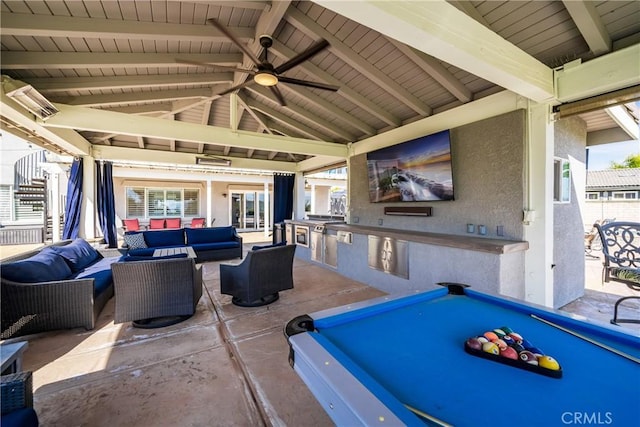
(247, 210)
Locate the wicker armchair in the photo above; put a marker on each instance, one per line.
(156, 288)
(621, 250)
(17, 400)
(258, 279)
(29, 308)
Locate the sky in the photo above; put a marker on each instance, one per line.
(601, 156)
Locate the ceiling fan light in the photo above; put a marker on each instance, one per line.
(265, 79)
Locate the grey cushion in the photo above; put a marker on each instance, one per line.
(135, 240)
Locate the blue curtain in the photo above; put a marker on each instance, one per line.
(73, 207)
(282, 197)
(106, 203)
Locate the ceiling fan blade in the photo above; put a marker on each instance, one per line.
(278, 95)
(236, 87)
(235, 41)
(307, 54)
(306, 83)
(219, 67)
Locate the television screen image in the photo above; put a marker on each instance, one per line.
(413, 171)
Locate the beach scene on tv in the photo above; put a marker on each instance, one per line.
(416, 170)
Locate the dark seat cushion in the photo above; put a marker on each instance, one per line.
(209, 235)
(156, 239)
(275, 245)
(46, 266)
(25, 417)
(212, 246)
(78, 254)
(100, 272)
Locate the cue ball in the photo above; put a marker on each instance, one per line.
(548, 362)
(490, 347)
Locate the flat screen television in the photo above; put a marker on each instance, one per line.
(413, 171)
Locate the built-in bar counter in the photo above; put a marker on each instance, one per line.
(471, 243)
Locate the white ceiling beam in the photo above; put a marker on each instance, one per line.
(63, 84)
(435, 70)
(329, 127)
(256, 116)
(590, 25)
(163, 107)
(68, 60)
(621, 116)
(348, 55)
(19, 24)
(468, 8)
(103, 152)
(90, 119)
(257, 5)
(444, 32)
(286, 120)
(132, 97)
(616, 70)
(346, 92)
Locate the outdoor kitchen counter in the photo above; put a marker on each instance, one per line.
(471, 243)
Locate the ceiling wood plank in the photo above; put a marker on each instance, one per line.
(65, 26)
(442, 31)
(88, 60)
(312, 29)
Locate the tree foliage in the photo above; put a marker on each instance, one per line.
(632, 161)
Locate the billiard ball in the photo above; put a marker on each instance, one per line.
(474, 343)
(518, 348)
(508, 340)
(490, 347)
(510, 353)
(536, 351)
(491, 336)
(501, 344)
(499, 332)
(526, 344)
(548, 362)
(507, 330)
(483, 340)
(516, 337)
(528, 357)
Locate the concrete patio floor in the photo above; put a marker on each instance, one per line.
(225, 366)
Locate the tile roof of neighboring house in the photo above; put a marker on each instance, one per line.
(614, 179)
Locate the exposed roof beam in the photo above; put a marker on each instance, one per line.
(22, 24)
(436, 70)
(67, 60)
(61, 84)
(442, 31)
(621, 116)
(90, 119)
(590, 25)
(348, 55)
(206, 112)
(287, 121)
(132, 97)
(257, 5)
(135, 154)
(348, 93)
(607, 73)
(329, 127)
(162, 107)
(257, 116)
(468, 8)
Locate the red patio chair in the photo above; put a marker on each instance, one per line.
(131, 224)
(172, 223)
(156, 223)
(197, 223)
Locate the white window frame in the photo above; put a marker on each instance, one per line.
(589, 196)
(561, 180)
(624, 195)
(165, 215)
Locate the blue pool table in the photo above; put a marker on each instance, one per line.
(368, 362)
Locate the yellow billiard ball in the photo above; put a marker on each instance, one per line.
(548, 362)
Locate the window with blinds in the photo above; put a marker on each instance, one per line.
(159, 202)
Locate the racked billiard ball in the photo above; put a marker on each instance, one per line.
(491, 336)
(508, 340)
(516, 337)
(490, 347)
(507, 330)
(518, 348)
(536, 351)
(528, 357)
(483, 340)
(548, 362)
(499, 332)
(509, 353)
(474, 343)
(501, 344)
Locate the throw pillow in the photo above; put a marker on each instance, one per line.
(45, 266)
(135, 240)
(78, 254)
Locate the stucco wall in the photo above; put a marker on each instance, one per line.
(487, 176)
(570, 137)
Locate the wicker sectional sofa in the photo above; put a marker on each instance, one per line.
(209, 244)
(61, 286)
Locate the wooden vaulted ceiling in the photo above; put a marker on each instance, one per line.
(114, 68)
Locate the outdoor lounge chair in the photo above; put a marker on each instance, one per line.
(17, 400)
(156, 289)
(258, 279)
(620, 247)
